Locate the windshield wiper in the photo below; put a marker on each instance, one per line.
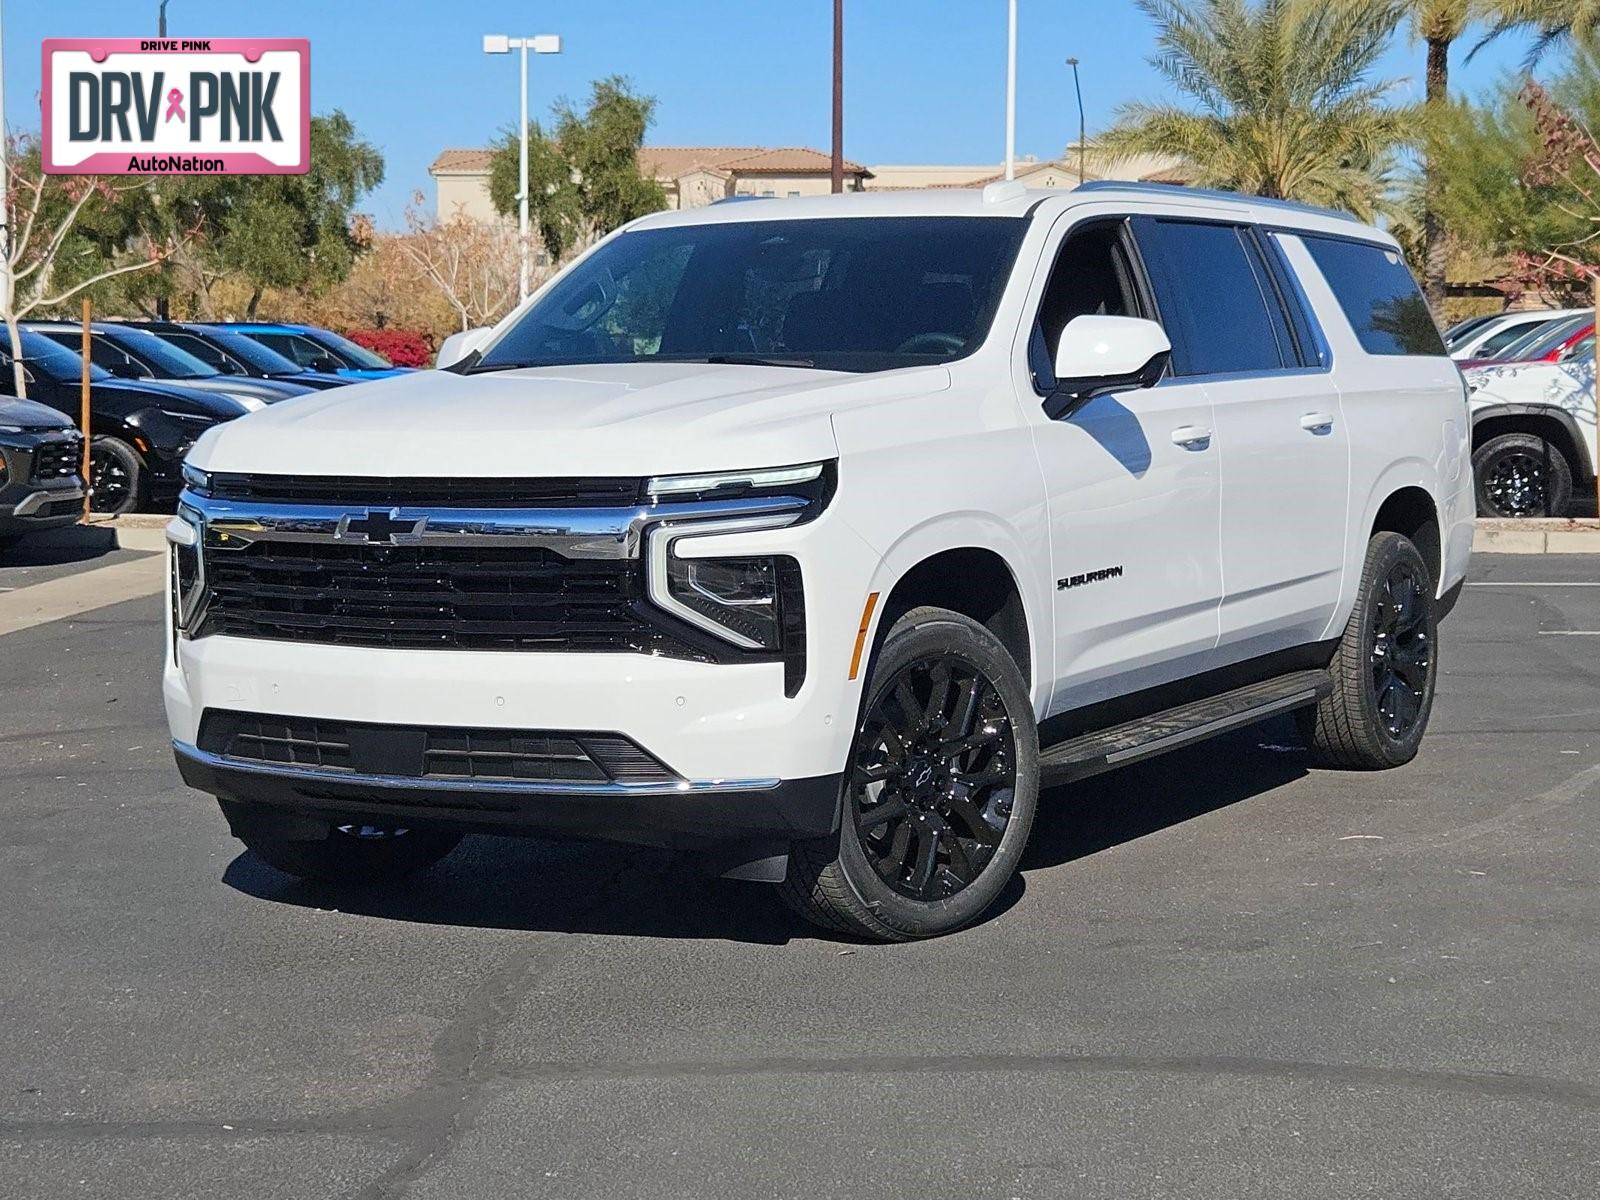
(746, 360)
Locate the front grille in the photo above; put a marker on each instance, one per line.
(53, 461)
(420, 752)
(429, 597)
(605, 491)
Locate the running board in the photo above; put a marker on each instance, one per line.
(1091, 753)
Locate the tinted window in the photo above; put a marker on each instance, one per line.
(1499, 342)
(205, 352)
(848, 294)
(1213, 301)
(1378, 295)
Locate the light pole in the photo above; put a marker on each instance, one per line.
(836, 167)
(544, 43)
(1011, 91)
(1082, 137)
(161, 20)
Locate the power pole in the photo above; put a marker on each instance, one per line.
(838, 96)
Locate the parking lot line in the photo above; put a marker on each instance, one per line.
(1569, 633)
(83, 592)
(1538, 583)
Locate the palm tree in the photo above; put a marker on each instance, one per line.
(1287, 105)
(1438, 23)
(1553, 23)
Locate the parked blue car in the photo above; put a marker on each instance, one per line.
(317, 349)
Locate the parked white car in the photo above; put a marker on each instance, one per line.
(816, 535)
(1533, 435)
(1495, 337)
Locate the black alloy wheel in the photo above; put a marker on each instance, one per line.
(934, 778)
(1402, 651)
(1515, 484)
(115, 477)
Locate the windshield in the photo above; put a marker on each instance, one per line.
(354, 355)
(167, 361)
(55, 361)
(844, 294)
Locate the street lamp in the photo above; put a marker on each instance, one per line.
(544, 43)
(1011, 90)
(1082, 136)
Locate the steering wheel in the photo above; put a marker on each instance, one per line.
(931, 343)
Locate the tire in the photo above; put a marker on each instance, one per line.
(351, 855)
(1386, 668)
(929, 834)
(1511, 479)
(118, 481)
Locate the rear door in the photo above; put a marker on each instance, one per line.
(1240, 329)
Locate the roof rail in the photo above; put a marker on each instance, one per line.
(1178, 189)
(738, 199)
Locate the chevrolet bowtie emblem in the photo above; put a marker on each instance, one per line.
(380, 526)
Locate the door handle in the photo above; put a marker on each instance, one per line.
(1191, 437)
(1316, 422)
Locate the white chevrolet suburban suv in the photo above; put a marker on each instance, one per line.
(815, 536)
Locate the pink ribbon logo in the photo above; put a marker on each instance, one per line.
(175, 105)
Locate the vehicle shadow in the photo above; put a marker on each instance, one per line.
(569, 887)
(69, 544)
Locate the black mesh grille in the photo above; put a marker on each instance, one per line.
(418, 752)
(429, 597)
(57, 460)
(444, 493)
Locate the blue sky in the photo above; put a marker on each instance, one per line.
(924, 79)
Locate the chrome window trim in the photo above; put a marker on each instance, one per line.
(442, 784)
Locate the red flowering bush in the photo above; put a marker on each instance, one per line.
(402, 347)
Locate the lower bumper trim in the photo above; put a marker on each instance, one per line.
(687, 815)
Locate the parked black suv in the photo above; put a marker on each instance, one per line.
(40, 457)
(141, 430)
(138, 354)
(233, 354)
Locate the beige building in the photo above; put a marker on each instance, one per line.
(1053, 173)
(692, 176)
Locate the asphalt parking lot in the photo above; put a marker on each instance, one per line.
(1219, 975)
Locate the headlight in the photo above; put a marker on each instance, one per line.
(188, 571)
(752, 601)
(196, 480)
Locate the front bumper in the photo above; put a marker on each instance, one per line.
(42, 508)
(757, 813)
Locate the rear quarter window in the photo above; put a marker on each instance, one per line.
(1378, 295)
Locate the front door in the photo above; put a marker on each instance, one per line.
(1132, 482)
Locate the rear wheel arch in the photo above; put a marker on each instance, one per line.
(1555, 426)
(1411, 512)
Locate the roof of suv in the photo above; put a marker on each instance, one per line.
(1011, 199)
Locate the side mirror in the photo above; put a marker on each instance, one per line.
(128, 369)
(1106, 354)
(459, 345)
(327, 364)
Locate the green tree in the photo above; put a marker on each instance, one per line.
(297, 232)
(1284, 104)
(583, 176)
(1510, 180)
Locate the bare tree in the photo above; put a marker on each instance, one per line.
(44, 209)
(473, 264)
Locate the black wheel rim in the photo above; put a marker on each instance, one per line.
(1402, 652)
(1515, 483)
(934, 778)
(109, 484)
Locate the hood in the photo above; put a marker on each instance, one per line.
(268, 390)
(30, 415)
(623, 419)
(172, 397)
(374, 372)
(315, 381)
